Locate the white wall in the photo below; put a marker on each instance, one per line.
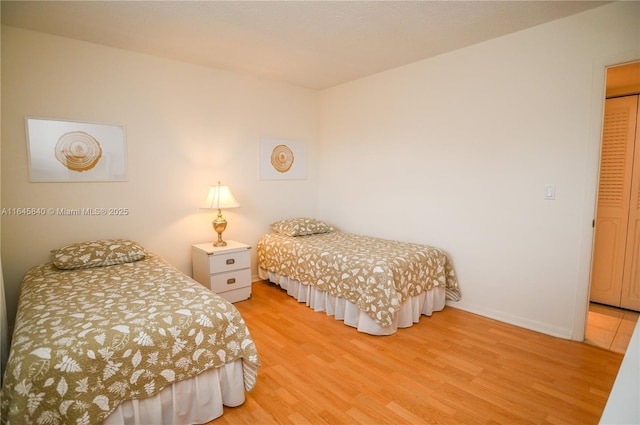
(455, 151)
(622, 406)
(186, 128)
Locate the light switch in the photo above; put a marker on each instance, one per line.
(550, 192)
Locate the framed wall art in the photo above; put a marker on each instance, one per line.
(282, 159)
(72, 151)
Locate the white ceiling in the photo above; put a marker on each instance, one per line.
(313, 44)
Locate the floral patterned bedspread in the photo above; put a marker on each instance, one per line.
(87, 340)
(377, 275)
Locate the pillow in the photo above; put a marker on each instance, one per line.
(301, 226)
(106, 252)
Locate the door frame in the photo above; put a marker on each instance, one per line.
(594, 147)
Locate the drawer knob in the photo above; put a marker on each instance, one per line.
(231, 261)
(231, 281)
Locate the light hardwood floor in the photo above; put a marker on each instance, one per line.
(451, 368)
(610, 327)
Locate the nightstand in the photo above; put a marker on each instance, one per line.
(226, 270)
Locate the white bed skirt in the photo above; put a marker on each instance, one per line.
(410, 311)
(192, 401)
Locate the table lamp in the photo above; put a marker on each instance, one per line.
(220, 197)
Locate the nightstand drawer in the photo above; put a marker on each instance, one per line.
(222, 282)
(232, 261)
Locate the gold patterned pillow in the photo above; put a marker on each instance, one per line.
(105, 252)
(301, 226)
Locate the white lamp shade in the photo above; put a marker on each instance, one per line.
(220, 197)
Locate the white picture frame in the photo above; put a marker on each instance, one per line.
(75, 151)
(282, 159)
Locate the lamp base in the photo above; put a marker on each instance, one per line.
(219, 225)
(219, 242)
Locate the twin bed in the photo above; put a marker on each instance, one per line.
(110, 333)
(375, 285)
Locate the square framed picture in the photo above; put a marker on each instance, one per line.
(282, 159)
(74, 151)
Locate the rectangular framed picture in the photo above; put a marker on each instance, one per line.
(282, 159)
(73, 151)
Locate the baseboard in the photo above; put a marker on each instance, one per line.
(521, 322)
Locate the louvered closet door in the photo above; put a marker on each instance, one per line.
(614, 193)
(631, 277)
